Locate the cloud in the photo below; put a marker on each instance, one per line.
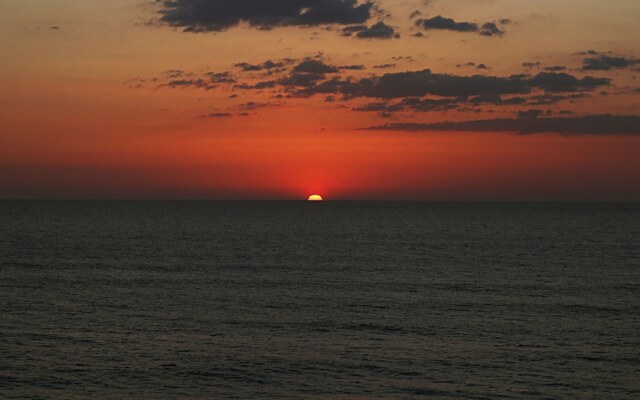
(351, 29)
(561, 82)
(442, 23)
(216, 115)
(219, 15)
(606, 63)
(307, 74)
(490, 29)
(552, 98)
(352, 67)
(297, 79)
(440, 104)
(497, 100)
(426, 105)
(532, 113)
(379, 30)
(425, 82)
(315, 67)
(380, 107)
(184, 83)
(383, 66)
(253, 105)
(267, 65)
(175, 73)
(535, 64)
(221, 77)
(257, 86)
(409, 91)
(607, 125)
(556, 68)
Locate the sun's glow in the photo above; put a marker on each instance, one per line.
(315, 197)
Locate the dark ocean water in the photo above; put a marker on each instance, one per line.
(287, 300)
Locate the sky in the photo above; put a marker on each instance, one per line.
(261, 99)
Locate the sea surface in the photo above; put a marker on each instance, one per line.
(296, 300)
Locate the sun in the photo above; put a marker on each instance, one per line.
(315, 197)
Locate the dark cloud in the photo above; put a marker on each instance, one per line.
(416, 91)
(174, 73)
(379, 107)
(216, 115)
(425, 82)
(588, 53)
(314, 66)
(497, 100)
(546, 99)
(421, 83)
(532, 113)
(401, 58)
(561, 82)
(351, 29)
(379, 30)
(606, 63)
(352, 67)
(221, 77)
(257, 86)
(219, 15)
(253, 105)
(383, 66)
(427, 105)
(556, 68)
(267, 65)
(297, 79)
(442, 23)
(586, 125)
(185, 83)
(535, 64)
(441, 104)
(490, 29)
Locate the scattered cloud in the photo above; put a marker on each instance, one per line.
(442, 23)
(379, 30)
(216, 115)
(221, 77)
(556, 68)
(562, 82)
(315, 67)
(490, 29)
(530, 124)
(606, 63)
(407, 91)
(219, 15)
(267, 65)
(185, 83)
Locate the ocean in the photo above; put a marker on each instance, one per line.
(333, 300)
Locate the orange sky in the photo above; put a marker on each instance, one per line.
(88, 109)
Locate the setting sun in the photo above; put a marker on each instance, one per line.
(315, 197)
